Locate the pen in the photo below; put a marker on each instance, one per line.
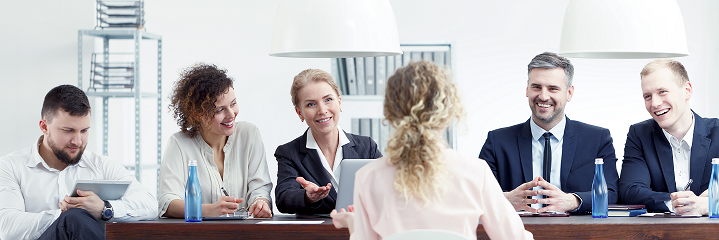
(688, 185)
(223, 189)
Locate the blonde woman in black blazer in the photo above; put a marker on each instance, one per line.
(306, 166)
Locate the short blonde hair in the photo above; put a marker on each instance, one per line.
(308, 77)
(675, 66)
(420, 100)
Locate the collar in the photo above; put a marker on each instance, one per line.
(36, 160)
(312, 144)
(688, 137)
(230, 141)
(557, 131)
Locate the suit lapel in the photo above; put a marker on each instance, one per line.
(666, 159)
(524, 141)
(312, 162)
(700, 150)
(348, 150)
(569, 147)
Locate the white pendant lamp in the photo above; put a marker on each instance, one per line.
(623, 29)
(335, 29)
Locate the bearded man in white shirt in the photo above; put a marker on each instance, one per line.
(36, 182)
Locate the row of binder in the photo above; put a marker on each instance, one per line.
(368, 75)
(373, 128)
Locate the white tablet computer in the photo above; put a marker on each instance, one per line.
(347, 181)
(105, 189)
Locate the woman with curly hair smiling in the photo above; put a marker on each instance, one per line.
(422, 183)
(230, 154)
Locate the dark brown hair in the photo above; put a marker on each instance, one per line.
(195, 94)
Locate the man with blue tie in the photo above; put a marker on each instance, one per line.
(549, 150)
(667, 159)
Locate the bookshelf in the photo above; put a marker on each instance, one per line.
(363, 81)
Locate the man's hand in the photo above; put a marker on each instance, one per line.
(313, 193)
(260, 208)
(225, 205)
(687, 203)
(87, 200)
(518, 196)
(558, 200)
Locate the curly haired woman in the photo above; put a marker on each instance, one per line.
(423, 184)
(230, 154)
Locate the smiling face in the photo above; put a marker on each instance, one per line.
(223, 122)
(666, 100)
(66, 136)
(320, 107)
(547, 93)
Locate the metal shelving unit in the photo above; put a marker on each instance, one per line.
(131, 89)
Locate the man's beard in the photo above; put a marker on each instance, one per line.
(63, 156)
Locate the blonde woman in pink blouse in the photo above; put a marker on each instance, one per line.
(421, 183)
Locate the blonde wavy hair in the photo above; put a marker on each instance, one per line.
(420, 101)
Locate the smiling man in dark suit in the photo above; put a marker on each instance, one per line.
(549, 150)
(662, 154)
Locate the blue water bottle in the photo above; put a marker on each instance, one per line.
(193, 195)
(714, 190)
(600, 198)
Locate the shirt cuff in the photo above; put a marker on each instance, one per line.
(669, 205)
(580, 202)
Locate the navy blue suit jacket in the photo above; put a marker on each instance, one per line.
(508, 152)
(648, 167)
(294, 160)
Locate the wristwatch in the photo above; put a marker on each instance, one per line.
(107, 212)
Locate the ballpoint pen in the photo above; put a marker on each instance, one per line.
(689, 184)
(225, 192)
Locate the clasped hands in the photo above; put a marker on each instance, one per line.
(555, 198)
(87, 200)
(688, 203)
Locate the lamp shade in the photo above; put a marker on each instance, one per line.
(335, 29)
(623, 29)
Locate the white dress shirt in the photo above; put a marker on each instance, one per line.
(333, 172)
(245, 172)
(681, 154)
(30, 191)
(555, 142)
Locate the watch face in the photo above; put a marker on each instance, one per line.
(107, 213)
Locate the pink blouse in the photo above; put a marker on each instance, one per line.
(471, 194)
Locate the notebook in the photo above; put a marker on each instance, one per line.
(347, 183)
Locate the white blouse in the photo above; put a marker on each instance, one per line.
(245, 174)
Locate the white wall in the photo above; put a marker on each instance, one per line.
(492, 40)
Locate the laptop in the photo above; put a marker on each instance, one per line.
(347, 183)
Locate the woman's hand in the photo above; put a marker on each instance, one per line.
(226, 205)
(260, 208)
(313, 193)
(343, 219)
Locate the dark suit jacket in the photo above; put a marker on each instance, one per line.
(648, 167)
(508, 152)
(295, 160)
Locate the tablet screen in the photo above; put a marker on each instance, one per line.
(105, 189)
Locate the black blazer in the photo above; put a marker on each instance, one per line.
(294, 160)
(508, 152)
(648, 167)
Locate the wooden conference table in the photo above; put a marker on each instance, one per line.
(573, 227)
